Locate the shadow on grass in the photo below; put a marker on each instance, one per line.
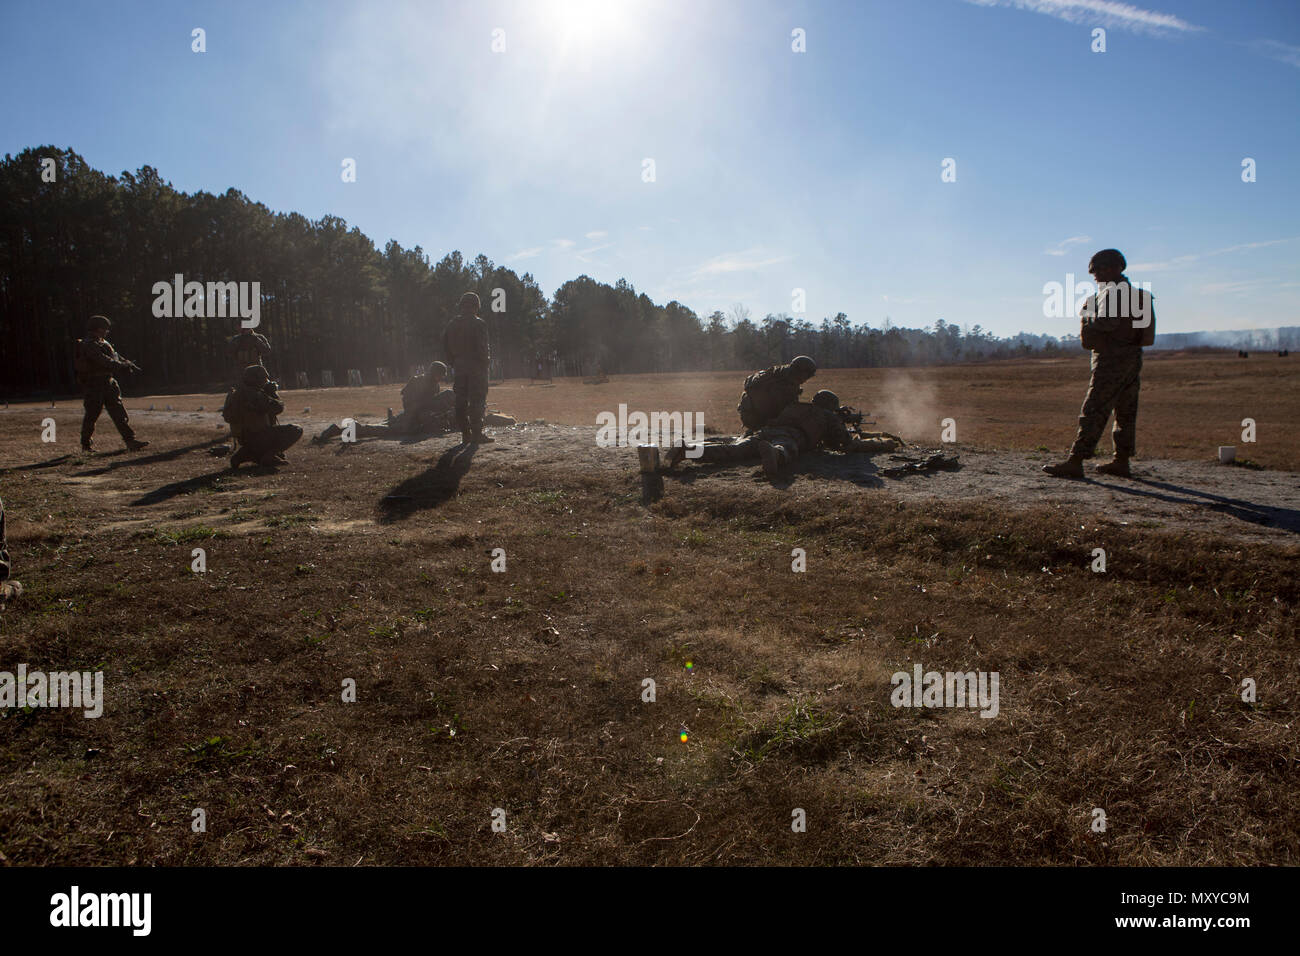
(185, 487)
(36, 465)
(414, 438)
(430, 488)
(170, 455)
(1288, 519)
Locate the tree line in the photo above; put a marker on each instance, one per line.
(75, 242)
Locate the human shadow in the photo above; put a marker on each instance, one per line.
(37, 465)
(1288, 519)
(184, 487)
(170, 455)
(430, 488)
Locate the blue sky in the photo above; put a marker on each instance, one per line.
(774, 170)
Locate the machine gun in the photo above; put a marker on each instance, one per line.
(853, 419)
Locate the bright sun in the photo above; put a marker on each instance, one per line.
(584, 23)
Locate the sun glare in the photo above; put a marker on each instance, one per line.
(583, 25)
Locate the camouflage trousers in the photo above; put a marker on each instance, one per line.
(746, 449)
(406, 424)
(1116, 379)
(471, 390)
(267, 442)
(105, 396)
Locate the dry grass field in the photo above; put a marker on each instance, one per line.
(523, 690)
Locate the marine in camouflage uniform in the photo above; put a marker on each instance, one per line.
(1115, 324)
(771, 390)
(248, 348)
(465, 345)
(96, 362)
(425, 408)
(8, 589)
(799, 428)
(252, 408)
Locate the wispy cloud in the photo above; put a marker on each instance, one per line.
(1060, 248)
(562, 245)
(1232, 288)
(1104, 13)
(747, 261)
(597, 234)
(584, 255)
(1179, 261)
(1277, 50)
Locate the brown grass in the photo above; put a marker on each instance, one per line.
(522, 690)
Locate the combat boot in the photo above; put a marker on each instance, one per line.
(239, 457)
(773, 458)
(481, 439)
(135, 444)
(1070, 468)
(1118, 467)
(9, 590)
(87, 445)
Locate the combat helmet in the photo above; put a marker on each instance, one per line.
(255, 376)
(803, 365)
(99, 322)
(1108, 259)
(826, 399)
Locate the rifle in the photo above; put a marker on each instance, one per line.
(853, 419)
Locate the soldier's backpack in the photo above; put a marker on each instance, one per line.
(751, 416)
(1146, 336)
(230, 412)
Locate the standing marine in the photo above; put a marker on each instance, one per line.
(1115, 323)
(769, 391)
(465, 346)
(95, 363)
